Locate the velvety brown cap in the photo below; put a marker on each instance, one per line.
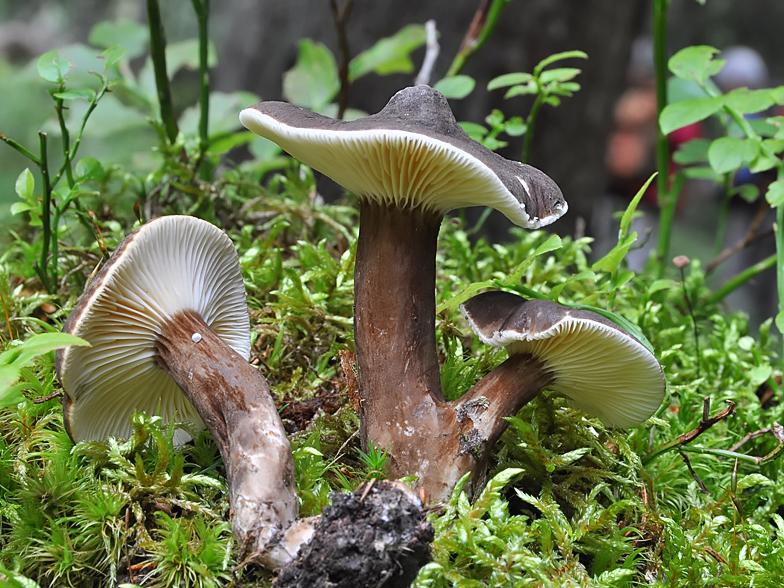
(410, 154)
(601, 368)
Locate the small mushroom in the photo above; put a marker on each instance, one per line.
(408, 165)
(602, 369)
(168, 323)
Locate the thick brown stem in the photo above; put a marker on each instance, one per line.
(233, 399)
(394, 329)
(401, 404)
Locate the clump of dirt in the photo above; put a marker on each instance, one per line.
(378, 536)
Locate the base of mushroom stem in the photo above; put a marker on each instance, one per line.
(376, 536)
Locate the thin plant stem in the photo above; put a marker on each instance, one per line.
(483, 24)
(341, 18)
(46, 217)
(530, 121)
(58, 106)
(432, 49)
(662, 147)
(21, 149)
(202, 9)
(724, 211)
(158, 55)
(744, 276)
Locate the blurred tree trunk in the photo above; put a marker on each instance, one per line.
(258, 42)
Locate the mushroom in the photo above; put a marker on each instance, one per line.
(168, 324)
(408, 165)
(602, 369)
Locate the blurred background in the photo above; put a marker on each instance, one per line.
(598, 145)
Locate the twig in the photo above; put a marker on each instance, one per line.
(341, 18)
(58, 106)
(48, 397)
(479, 30)
(158, 55)
(750, 237)
(694, 475)
(705, 423)
(432, 49)
(20, 148)
(749, 437)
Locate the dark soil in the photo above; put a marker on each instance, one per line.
(377, 537)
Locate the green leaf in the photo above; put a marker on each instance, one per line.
(612, 260)
(126, 33)
(456, 87)
(780, 315)
(113, 54)
(390, 54)
(753, 480)
(749, 192)
(313, 81)
(560, 74)
(622, 322)
(694, 151)
(25, 185)
(687, 112)
(728, 154)
(759, 374)
(87, 94)
(558, 57)
(89, 168)
(775, 197)
(9, 374)
(21, 355)
(53, 67)
(748, 101)
(510, 79)
(695, 63)
(475, 131)
(522, 90)
(628, 214)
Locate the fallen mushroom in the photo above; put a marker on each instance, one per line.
(167, 320)
(408, 165)
(168, 323)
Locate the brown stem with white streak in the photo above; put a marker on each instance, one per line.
(234, 401)
(401, 403)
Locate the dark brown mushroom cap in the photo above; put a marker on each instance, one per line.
(601, 368)
(410, 154)
(166, 266)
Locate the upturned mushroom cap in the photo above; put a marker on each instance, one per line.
(601, 368)
(167, 266)
(410, 154)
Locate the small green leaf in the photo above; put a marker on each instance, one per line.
(780, 315)
(659, 285)
(694, 151)
(456, 87)
(126, 33)
(475, 131)
(749, 192)
(313, 81)
(759, 374)
(21, 355)
(753, 480)
(628, 214)
(510, 79)
(87, 94)
(113, 54)
(515, 127)
(558, 57)
(560, 74)
(25, 184)
(775, 197)
(728, 154)
(390, 54)
(522, 90)
(20, 207)
(53, 67)
(748, 101)
(695, 63)
(9, 374)
(682, 114)
(89, 168)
